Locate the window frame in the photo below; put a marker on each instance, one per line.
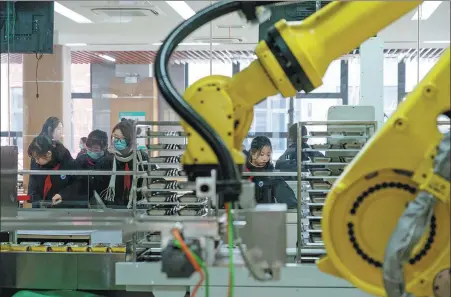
(87, 95)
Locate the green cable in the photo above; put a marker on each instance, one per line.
(231, 266)
(230, 240)
(202, 265)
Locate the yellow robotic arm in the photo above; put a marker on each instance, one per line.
(365, 204)
(293, 58)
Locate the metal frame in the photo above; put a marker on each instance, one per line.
(299, 175)
(295, 280)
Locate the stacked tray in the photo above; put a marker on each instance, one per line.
(329, 152)
(60, 247)
(163, 194)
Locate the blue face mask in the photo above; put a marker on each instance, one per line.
(120, 144)
(95, 155)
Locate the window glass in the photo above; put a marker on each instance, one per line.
(11, 96)
(197, 71)
(313, 109)
(279, 122)
(271, 117)
(262, 105)
(80, 78)
(82, 121)
(331, 79)
(260, 121)
(17, 115)
(390, 72)
(353, 81)
(412, 71)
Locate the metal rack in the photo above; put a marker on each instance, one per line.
(339, 142)
(163, 194)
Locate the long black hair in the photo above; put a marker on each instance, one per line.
(257, 144)
(49, 126)
(42, 144)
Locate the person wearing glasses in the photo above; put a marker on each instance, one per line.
(115, 189)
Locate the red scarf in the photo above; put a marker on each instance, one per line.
(48, 182)
(90, 162)
(250, 177)
(127, 179)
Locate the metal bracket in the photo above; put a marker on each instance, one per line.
(429, 181)
(206, 187)
(437, 186)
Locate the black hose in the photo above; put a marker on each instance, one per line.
(227, 167)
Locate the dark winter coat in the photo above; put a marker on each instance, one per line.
(271, 189)
(40, 190)
(288, 162)
(122, 192)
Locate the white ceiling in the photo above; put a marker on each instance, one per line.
(141, 32)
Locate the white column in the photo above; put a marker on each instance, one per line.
(372, 77)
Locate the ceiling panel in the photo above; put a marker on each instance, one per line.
(107, 35)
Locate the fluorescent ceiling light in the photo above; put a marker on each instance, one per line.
(426, 10)
(108, 58)
(182, 8)
(437, 41)
(190, 43)
(70, 14)
(76, 44)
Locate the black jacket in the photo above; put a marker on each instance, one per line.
(121, 193)
(271, 189)
(288, 162)
(81, 153)
(86, 183)
(85, 163)
(60, 184)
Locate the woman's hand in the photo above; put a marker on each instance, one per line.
(57, 199)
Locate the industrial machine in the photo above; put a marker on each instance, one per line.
(386, 222)
(217, 113)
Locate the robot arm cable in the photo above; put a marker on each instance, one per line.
(411, 226)
(227, 166)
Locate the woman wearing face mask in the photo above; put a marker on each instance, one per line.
(115, 189)
(82, 146)
(267, 189)
(96, 147)
(50, 155)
